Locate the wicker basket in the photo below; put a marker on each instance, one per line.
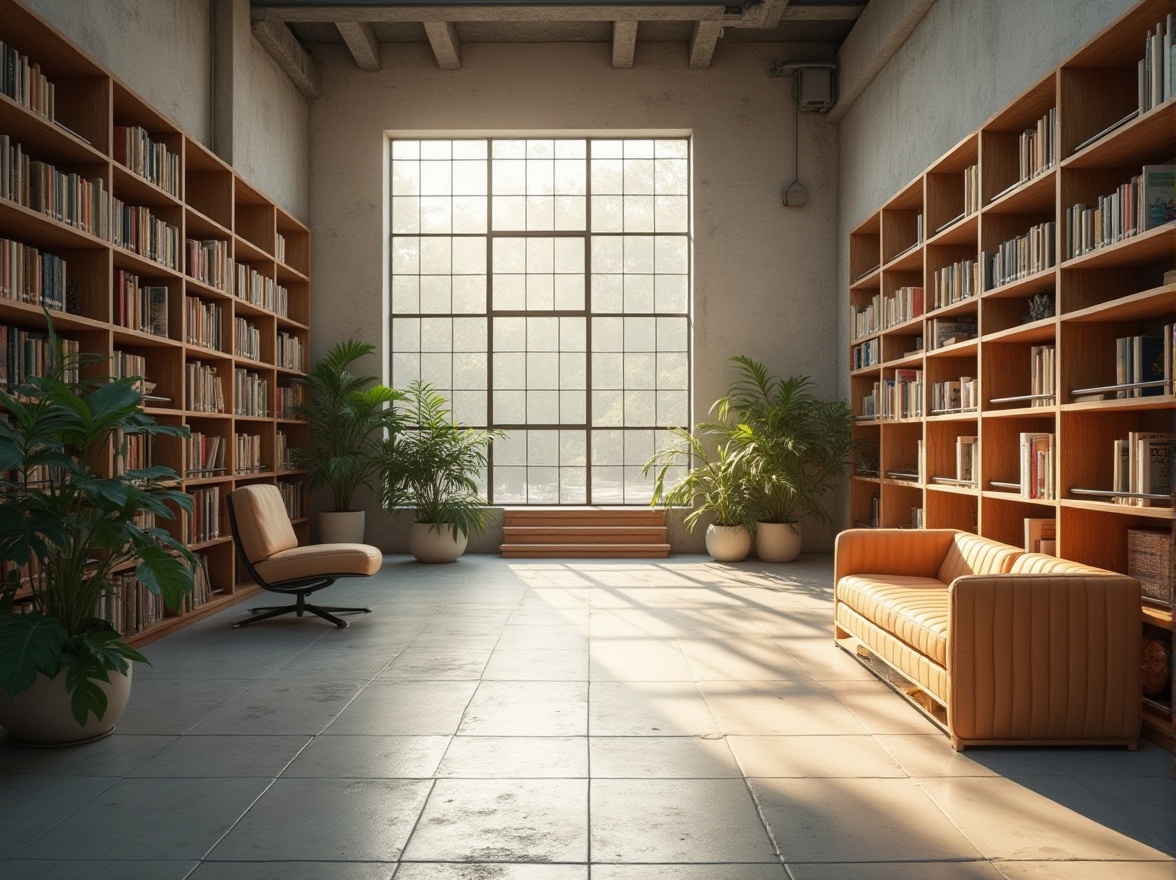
(1151, 559)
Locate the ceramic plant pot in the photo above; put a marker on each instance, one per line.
(430, 545)
(777, 542)
(41, 716)
(727, 543)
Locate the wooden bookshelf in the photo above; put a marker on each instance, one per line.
(256, 339)
(1098, 296)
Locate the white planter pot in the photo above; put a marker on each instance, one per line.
(430, 545)
(341, 528)
(777, 542)
(727, 543)
(41, 716)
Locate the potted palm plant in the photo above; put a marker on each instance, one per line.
(713, 484)
(795, 448)
(432, 464)
(349, 415)
(68, 527)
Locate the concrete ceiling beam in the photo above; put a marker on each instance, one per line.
(291, 57)
(490, 13)
(362, 42)
(624, 43)
(445, 42)
(703, 39)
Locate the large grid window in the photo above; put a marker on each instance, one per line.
(542, 285)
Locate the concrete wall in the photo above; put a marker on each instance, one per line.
(762, 283)
(163, 50)
(963, 63)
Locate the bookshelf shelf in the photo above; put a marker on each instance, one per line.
(102, 129)
(1073, 137)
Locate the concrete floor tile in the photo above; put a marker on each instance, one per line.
(676, 820)
(689, 872)
(282, 707)
(931, 754)
(488, 871)
(644, 660)
(357, 820)
(210, 756)
(156, 819)
(661, 757)
(813, 756)
(878, 708)
(336, 664)
(57, 869)
(857, 820)
(31, 805)
(527, 708)
(537, 665)
(1007, 820)
(436, 664)
(1097, 870)
(740, 659)
(542, 638)
(958, 870)
(510, 757)
(316, 870)
(822, 659)
(788, 708)
(659, 708)
(112, 756)
(369, 757)
(162, 707)
(416, 708)
(503, 820)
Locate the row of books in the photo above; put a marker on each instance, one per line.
(283, 454)
(954, 395)
(248, 339)
(205, 454)
(897, 397)
(209, 262)
(966, 456)
(129, 606)
(948, 331)
(291, 353)
(150, 159)
(204, 323)
(1143, 467)
(125, 365)
(138, 306)
(1042, 375)
(22, 80)
(1021, 256)
(30, 275)
(1157, 82)
(24, 354)
(972, 197)
(69, 197)
(250, 394)
(254, 288)
(1144, 202)
(1041, 535)
(133, 452)
(280, 247)
(248, 447)
(137, 229)
(292, 497)
(203, 388)
(956, 282)
(204, 522)
(1037, 465)
(1145, 364)
(290, 396)
(1038, 146)
(866, 354)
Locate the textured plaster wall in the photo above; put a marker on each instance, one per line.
(762, 279)
(160, 48)
(963, 63)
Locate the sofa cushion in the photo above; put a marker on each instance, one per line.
(316, 560)
(1039, 563)
(914, 609)
(971, 554)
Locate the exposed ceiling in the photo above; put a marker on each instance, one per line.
(287, 28)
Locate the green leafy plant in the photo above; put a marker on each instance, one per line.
(72, 528)
(793, 446)
(348, 416)
(709, 482)
(433, 464)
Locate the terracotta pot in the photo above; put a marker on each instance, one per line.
(727, 543)
(41, 716)
(430, 545)
(344, 527)
(777, 542)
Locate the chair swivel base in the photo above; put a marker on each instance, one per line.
(300, 608)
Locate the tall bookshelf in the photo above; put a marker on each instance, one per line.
(981, 194)
(228, 267)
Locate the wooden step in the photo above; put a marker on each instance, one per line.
(584, 516)
(564, 534)
(585, 551)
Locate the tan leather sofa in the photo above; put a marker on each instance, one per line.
(1001, 647)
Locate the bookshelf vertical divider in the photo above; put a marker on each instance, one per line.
(172, 267)
(1018, 330)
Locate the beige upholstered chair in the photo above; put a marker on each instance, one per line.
(270, 553)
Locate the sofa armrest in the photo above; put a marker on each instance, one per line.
(914, 552)
(1044, 657)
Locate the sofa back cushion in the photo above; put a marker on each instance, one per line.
(971, 554)
(1039, 563)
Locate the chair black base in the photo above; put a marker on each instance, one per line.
(300, 607)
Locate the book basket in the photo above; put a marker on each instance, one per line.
(1151, 559)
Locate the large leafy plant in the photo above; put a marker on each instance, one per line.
(794, 447)
(348, 416)
(433, 464)
(71, 525)
(687, 473)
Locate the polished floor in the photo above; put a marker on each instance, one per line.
(561, 720)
